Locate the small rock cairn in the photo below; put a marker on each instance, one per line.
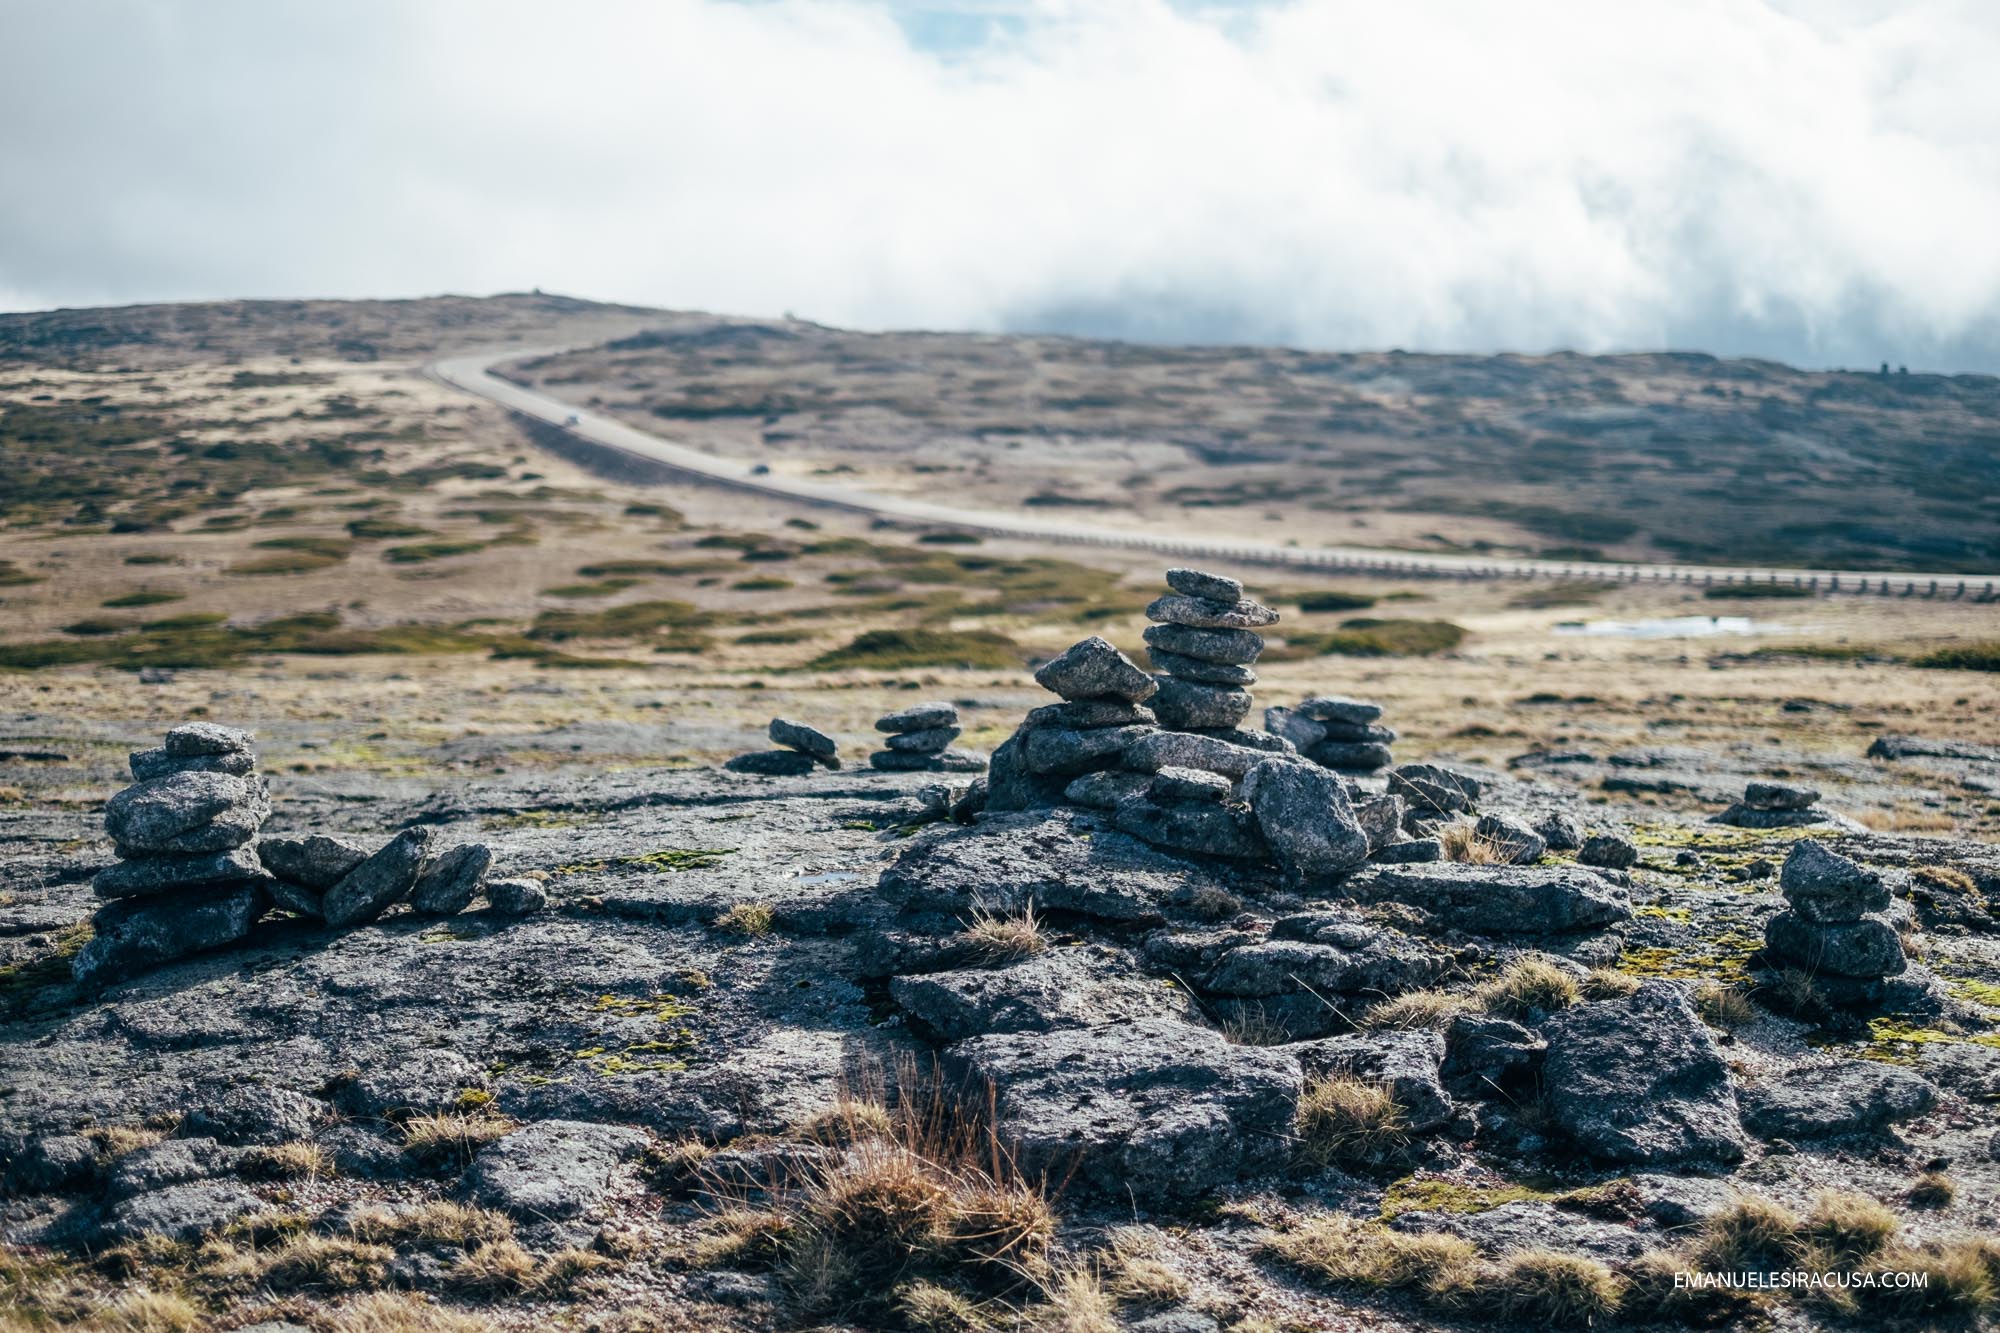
(803, 748)
(1342, 734)
(1769, 805)
(188, 879)
(1164, 754)
(919, 741)
(1835, 930)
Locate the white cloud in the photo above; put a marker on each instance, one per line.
(1814, 181)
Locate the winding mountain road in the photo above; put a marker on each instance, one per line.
(472, 373)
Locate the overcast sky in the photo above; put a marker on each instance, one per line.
(1812, 180)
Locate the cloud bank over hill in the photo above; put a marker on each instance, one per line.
(1818, 182)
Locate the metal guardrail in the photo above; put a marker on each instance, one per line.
(470, 374)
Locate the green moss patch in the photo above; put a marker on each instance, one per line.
(904, 649)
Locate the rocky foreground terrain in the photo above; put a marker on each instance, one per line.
(1182, 1016)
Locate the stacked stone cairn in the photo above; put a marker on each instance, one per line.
(1345, 735)
(919, 741)
(1769, 805)
(802, 747)
(188, 878)
(1164, 756)
(1837, 929)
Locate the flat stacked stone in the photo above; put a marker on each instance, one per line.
(802, 749)
(186, 879)
(1103, 693)
(1335, 732)
(1769, 805)
(920, 741)
(1203, 643)
(1836, 928)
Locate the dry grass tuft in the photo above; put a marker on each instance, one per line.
(1133, 1272)
(1253, 1025)
(847, 1121)
(1417, 1009)
(930, 1308)
(923, 1197)
(1724, 1007)
(1207, 902)
(142, 1310)
(1441, 1270)
(1548, 1289)
(301, 1159)
(750, 920)
(393, 1312)
(1792, 991)
(1465, 846)
(1932, 1189)
(1348, 1120)
(1000, 938)
(1073, 1301)
(452, 1139)
(1961, 1282)
(1750, 1235)
(1528, 986)
(1949, 879)
(1850, 1226)
(499, 1267)
(439, 1222)
(325, 1263)
(1608, 983)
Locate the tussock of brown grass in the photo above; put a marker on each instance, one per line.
(1723, 1007)
(393, 1312)
(1794, 992)
(751, 920)
(1416, 1009)
(453, 1138)
(1442, 1270)
(1962, 1282)
(924, 1198)
(1548, 1289)
(1347, 1120)
(1932, 1189)
(1851, 1226)
(325, 1263)
(1527, 986)
(847, 1121)
(300, 1159)
(499, 1267)
(1608, 983)
(117, 1140)
(143, 1310)
(1750, 1235)
(1000, 938)
(438, 1222)
(930, 1308)
(1252, 1025)
(1073, 1301)
(1133, 1272)
(1465, 846)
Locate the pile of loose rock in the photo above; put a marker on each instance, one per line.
(802, 748)
(1769, 805)
(1164, 756)
(1836, 930)
(919, 741)
(188, 879)
(1345, 735)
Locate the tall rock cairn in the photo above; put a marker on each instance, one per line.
(919, 740)
(1202, 642)
(1837, 929)
(187, 878)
